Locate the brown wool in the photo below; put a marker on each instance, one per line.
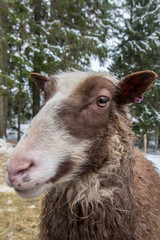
(127, 213)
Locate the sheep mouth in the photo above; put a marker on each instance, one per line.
(33, 192)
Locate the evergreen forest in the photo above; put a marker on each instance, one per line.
(48, 36)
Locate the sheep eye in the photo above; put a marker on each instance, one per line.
(102, 101)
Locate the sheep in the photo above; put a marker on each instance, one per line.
(80, 149)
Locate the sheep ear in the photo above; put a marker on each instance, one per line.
(133, 86)
(39, 80)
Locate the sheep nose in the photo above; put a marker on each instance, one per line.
(18, 172)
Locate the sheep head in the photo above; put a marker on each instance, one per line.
(70, 132)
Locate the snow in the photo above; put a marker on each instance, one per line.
(3, 87)
(5, 147)
(16, 38)
(155, 159)
(32, 206)
(95, 65)
(4, 188)
(51, 54)
(12, 134)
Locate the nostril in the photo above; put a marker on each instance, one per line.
(10, 177)
(24, 169)
(13, 173)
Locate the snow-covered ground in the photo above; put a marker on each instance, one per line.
(6, 147)
(155, 159)
(12, 134)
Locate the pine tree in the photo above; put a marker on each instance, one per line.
(17, 69)
(65, 34)
(78, 30)
(37, 18)
(139, 49)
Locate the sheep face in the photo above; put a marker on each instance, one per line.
(57, 145)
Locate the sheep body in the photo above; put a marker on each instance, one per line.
(90, 209)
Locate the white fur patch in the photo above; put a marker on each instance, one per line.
(69, 81)
(48, 144)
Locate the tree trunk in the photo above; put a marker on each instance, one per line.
(5, 110)
(36, 99)
(3, 64)
(37, 56)
(1, 111)
(157, 136)
(19, 118)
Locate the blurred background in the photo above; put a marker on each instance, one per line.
(48, 36)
